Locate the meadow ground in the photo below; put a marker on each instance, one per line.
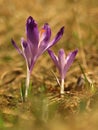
(45, 108)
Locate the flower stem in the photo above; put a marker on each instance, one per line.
(27, 82)
(62, 86)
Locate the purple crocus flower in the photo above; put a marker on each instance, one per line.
(63, 63)
(36, 43)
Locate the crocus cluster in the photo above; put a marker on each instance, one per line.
(36, 43)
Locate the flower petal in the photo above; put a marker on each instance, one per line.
(69, 60)
(17, 48)
(44, 37)
(27, 52)
(61, 58)
(54, 57)
(32, 31)
(57, 38)
(44, 45)
(47, 32)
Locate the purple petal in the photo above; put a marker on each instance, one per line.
(17, 48)
(47, 32)
(32, 31)
(69, 60)
(57, 37)
(27, 52)
(24, 43)
(54, 57)
(44, 36)
(30, 54)
(44, 45)
(61, 58)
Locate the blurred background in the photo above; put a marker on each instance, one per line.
(80, 18)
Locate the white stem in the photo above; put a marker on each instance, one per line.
(62, 86)
(27, 82)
